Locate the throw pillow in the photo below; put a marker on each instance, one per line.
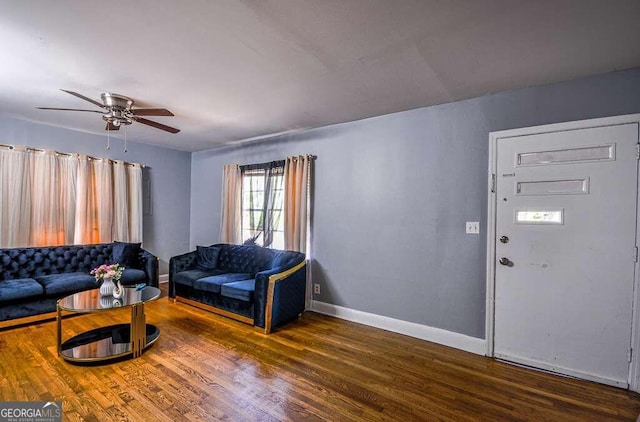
(207, 258)
(125, 254)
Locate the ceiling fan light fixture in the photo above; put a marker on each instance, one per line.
(117, 101)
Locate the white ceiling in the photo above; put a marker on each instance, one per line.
(234, 70)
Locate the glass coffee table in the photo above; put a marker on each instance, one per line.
(113, 341)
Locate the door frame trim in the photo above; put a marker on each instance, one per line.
(634, 367)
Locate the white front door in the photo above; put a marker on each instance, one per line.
(564, 249)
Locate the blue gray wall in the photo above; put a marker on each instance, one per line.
(392, 194)
(166, 229)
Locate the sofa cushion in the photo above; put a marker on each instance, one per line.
(241, 290)
(131, 276)
(21, 288)
(213, 283)
(126, 254)
(189, 277)
(207, 257)
(57, 284)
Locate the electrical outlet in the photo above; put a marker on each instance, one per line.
(316, 289)
(473, 227)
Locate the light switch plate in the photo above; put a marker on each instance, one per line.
(473, 227)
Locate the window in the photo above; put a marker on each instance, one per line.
(263, 205)
(267, 204)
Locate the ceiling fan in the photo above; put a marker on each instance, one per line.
(117, 111)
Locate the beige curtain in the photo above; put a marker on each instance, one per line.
(51, 198)
(297, 180)
(134, 200)
(85, 232)
(120, 224)
(94, 209)
(68, 189)
(104, 199)
(15, 197)
(231, 223)
(44, 224)
(52, 195)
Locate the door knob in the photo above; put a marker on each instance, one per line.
(506, 262)
(504, 239)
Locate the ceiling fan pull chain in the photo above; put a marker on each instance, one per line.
(125, 139)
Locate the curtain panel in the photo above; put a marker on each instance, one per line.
(127, 203)
(231, 221)
(15, 197)
(50, 198)
(52, 192)
(297, 179)
(273, 189)
(134, 199)
(120, 227)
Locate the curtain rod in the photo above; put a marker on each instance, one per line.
(311, 156)
(293, 157)
(67, 154)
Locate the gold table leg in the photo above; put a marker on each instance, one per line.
(138, 329)
(59, 324)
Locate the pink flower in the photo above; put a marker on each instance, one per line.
(113, 271)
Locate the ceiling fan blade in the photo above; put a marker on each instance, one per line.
(151, 112)
(110, 126)
(157, 125)
(84, 98)
(69, 109)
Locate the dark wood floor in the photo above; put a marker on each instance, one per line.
(206, 367)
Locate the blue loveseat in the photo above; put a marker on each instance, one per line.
(33, 279)
(259, 286)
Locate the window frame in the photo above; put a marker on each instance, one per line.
(254, 230)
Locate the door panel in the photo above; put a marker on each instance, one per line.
(563, 294)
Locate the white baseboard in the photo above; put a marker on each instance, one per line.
(163, 278)
(423, 332)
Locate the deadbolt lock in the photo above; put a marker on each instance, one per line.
(504, 239)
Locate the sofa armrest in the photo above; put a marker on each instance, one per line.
(150, 265)
(184, 262)
(279, 295)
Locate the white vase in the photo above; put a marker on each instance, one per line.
(107, 286)
(118, 292)
(106, 302)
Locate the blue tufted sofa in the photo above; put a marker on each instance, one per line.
(33, 279)
(259, 286)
